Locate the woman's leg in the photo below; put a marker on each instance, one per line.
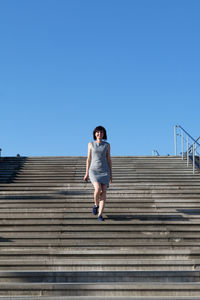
(102, 199)
(97, 191)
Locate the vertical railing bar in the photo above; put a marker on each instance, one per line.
(193, 160)
(175, 139)
(199, 161)
(187, 151)
(182, 143)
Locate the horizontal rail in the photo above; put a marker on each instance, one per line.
(195, 141)
(192, 144)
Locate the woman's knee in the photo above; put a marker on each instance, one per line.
(103, 191)
(103, 194)
(97, 188)
(103, 188)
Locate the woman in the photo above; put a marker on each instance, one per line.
(99, 169)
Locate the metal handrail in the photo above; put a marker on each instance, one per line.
(192, 144)
(192, 149)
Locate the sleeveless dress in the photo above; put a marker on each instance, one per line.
(99, 170)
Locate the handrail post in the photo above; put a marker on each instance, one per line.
(187, 151)
(175, 139)
(193, 159)
(182, 143)
(0, 152)
(191, 149)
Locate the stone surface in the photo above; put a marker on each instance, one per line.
(52, 247)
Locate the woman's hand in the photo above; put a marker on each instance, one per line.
(110, 179)
(88, 163)
(85, 177)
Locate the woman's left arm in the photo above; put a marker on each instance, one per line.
(109, 162)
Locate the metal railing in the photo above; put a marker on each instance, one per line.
(155, 153)
(191, 146)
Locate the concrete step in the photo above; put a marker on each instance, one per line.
(102, 289)
(117, 171)
(99, 234)
(159, 229)
(186, 208)
(110, 215)
(67, 218)
(85, 200)
(47, 253)
(99, 276)
(92, 242)
(87, 197)
(74, 210)
(118, 252)
(114, 187)
(100, 298)
(30, 191)
(122, 175)
(118, 220)
(65, 264)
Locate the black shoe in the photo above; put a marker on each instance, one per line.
(100, 218)
(95, 210)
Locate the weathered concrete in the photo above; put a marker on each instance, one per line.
(52, 247)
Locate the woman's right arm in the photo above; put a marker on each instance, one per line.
(88, 162)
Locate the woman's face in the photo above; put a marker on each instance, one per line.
(99, 134)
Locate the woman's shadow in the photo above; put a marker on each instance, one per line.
(147, 217)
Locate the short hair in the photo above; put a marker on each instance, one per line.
(98, 128)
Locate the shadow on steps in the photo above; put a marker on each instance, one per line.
(10, 167)
(22, 197)
(147, 217)
(189, 211)
(4, 240)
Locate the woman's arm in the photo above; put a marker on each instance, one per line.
(109, 162)
(88, 162)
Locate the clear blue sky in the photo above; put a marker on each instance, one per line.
(67, 66)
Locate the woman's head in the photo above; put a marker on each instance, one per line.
(102, 129)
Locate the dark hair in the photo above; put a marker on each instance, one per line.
(98, 128)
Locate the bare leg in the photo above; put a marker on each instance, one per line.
(97, 191)
(102, 199)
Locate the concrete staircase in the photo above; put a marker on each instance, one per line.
(52, 247)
